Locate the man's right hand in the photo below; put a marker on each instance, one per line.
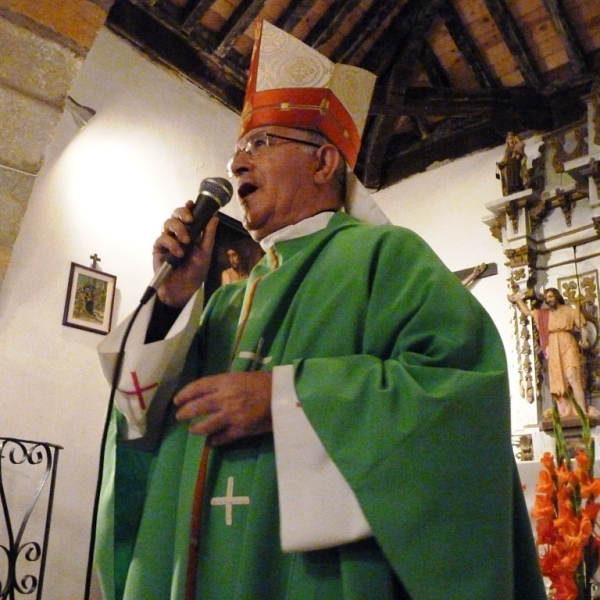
(181, 284)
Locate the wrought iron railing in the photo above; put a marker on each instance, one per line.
(22, 562)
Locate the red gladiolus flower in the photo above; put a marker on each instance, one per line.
(566, 512)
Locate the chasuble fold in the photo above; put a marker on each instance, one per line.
(402, 375)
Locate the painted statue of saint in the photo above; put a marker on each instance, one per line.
(513, 166)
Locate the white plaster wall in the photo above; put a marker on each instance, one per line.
(107, 189)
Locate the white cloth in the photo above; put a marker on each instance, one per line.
(360, 204)
(317, 507)
(291, 232)
(148, 370)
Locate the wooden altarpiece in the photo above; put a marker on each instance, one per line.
(550, 234)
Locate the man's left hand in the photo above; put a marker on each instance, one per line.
(232, 406)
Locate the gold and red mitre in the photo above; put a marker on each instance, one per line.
(292, 85)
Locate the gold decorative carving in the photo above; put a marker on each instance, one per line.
(561, 155)
(519, 274)
(582, 290)
(538, 211)
(497, 226)
(512, 212)
(520, 257)
(522, 337)
(563, 201)
(594, 172)
(596, 119)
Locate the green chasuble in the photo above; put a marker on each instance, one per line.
(402, 375)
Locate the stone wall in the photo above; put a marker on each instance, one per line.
(43, 43)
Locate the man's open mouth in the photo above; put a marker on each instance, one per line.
(245, 189)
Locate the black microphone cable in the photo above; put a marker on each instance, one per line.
(214, 193)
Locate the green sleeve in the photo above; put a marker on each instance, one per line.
(418, 423)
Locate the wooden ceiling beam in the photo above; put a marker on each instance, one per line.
(422, 126)
(515, 42)
(239, 21)
(568, 35)
(467, 46)
(433, 68)
(414, 104)
(448, 144)
(330, 23)
(170, 48)
(462, 134)
(437, 102)
(166, 8)
(194, 14)
(294, 14)
(408, 128)
(384, 54)
(406, 57)
(365, 29)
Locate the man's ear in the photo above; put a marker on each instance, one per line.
(328, 157)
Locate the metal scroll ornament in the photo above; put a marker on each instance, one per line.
(22, 562)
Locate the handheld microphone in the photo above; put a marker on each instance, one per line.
(214, 193)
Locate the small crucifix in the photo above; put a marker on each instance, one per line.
(469, 276)
(95, 260)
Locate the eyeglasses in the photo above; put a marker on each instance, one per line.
(260, 140)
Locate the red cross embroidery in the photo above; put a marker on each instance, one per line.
(138, 390)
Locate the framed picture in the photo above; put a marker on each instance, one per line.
(90, 299)
(234, 255)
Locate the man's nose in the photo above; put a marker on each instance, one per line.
(240, 163)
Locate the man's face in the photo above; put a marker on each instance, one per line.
(274, 182)
(551, 299)
(234, 259)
